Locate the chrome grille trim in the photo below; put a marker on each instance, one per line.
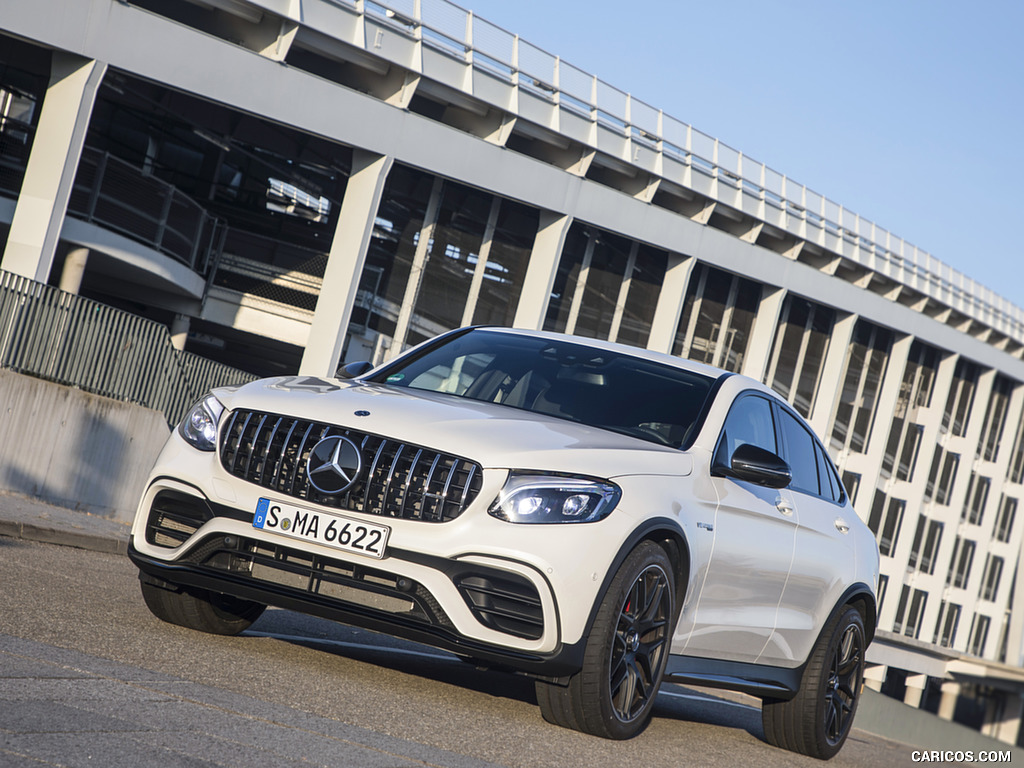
(398, 480)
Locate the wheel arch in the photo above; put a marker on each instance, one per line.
(667, 534)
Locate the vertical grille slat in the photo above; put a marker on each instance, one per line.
(399, 480)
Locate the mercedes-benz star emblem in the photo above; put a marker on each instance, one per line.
(334, 464)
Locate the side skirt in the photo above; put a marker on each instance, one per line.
(756, 679)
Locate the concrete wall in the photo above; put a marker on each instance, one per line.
(75, 449)
(892, 719)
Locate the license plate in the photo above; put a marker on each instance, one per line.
(322, 527)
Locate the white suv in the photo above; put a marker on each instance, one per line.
(599, 517)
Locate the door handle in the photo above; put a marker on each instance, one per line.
(842, 526)
(784, 507)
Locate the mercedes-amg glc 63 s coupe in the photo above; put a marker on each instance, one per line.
(599, 517)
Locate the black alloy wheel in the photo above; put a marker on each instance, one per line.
(613, 695)
(843, 684)
(639, 642)
(817, 720)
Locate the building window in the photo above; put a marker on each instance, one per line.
(798, 354)
(979, 634)
(942, 476)
(1016, 473)
(961, 397)
(910, 612)
(718, 315)
(995, 419)
(960, 563)
(905, 442)
(945, 626)
(505, 270)
(606, 287)
(883, 585)
(1004, 521)
(851, 481)
(990, 578)
(865, 369)
(977, 497)
(886, 518)
(453, 252)
(927, 538)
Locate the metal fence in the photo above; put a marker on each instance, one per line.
(117, 195)
(68, 339)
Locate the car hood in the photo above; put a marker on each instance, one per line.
(496, 436)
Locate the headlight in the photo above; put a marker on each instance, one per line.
(199, 427)
(547, 499)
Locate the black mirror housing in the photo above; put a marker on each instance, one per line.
(352, 370)
(759, 466)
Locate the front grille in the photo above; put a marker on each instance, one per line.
(335, 581)
(397, 480)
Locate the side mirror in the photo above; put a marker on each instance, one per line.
(759, 466)
(352, 370)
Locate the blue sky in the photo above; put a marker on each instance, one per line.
(910, 114)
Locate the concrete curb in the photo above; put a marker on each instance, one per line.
(115, 545)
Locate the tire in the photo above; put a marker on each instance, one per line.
(613, 695)
(818, 719)
(201, 610)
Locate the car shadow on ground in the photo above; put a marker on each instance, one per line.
(674, 702)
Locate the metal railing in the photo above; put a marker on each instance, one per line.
(685, 154)
(119, 196)
(68, 339)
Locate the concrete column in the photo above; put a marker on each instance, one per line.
(345, 263)
(1008, 727)
(74, 270)
(947, 704)
(540, 273)
(874, 676)
(830, 386)
(419, 264)
(670, 303)
(56, 150)
(915, 690)
(179, 331)
(759, 346)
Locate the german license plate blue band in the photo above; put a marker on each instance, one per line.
(261, 513)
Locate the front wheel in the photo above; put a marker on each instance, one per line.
(818, 719)
(613, 695)
(200, 609)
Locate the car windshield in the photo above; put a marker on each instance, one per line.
(610, 390)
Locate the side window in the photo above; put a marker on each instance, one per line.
(831, 488)
(801, 455)
(749, 422)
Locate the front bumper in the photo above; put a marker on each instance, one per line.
(479, 603)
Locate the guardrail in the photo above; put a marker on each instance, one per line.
(117, 195)
(704, 163)
(68, 339)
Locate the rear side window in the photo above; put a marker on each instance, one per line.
(831, 488)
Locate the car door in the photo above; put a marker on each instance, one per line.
(753, 530)
(824, 563)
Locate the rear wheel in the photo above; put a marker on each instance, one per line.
(201, 609)
(613, 694)
(818, 719)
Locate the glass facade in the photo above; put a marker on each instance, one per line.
(798, 354)
(718, 315)
(606, 287)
